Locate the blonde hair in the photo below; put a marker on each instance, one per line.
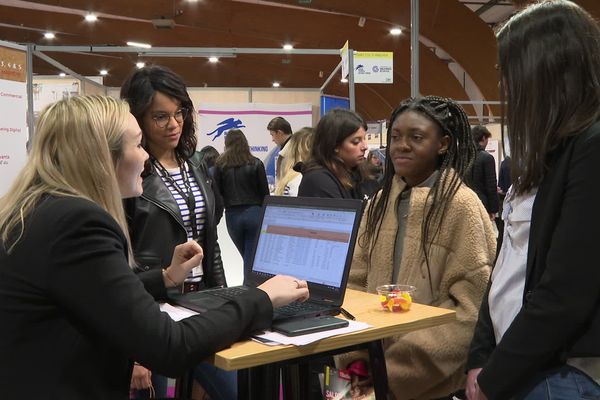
(70, 133)
(299, 150)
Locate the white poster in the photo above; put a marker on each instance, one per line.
(13, 114)
(374, 67)
(492, 148)
(252, 118)
(47, 91)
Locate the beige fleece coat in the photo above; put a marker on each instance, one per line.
(429, 363)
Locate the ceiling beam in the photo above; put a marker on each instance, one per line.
(486, 6)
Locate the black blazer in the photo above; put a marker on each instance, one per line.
(482, 180)
(560, 317)
(74, 316)
(156, 225)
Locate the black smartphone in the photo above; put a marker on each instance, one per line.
(295, 327)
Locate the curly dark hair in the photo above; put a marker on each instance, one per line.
(139, 90)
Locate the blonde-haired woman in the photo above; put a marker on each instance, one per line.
(296, 151)
(74, 315)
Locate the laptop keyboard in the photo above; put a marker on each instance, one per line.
(295, 308)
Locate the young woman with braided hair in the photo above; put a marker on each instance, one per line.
(426, 228)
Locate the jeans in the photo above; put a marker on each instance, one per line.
(242, 225)
(564, 383)
(218, 383)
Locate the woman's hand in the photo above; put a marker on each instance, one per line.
(185, 257)
(140, 378)
(472, 387)
(283, 289)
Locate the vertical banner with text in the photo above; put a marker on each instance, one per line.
(13, 114)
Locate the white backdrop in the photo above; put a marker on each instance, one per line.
(13, 114)
(252, 118)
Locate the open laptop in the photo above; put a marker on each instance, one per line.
(309, 238)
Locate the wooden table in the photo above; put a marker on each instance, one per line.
(249, 355)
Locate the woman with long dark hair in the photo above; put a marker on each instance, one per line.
(426, 228)
(241, 179)
(338, 148)
(538, 331)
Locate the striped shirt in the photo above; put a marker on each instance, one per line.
(200, 205)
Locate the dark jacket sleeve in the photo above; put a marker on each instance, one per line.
(90, 280)
(563, 305)
(318, 183)
(484, 340)
(489, 179)
(154, 283)
(504, 180)
(261, 178)
(219, 202)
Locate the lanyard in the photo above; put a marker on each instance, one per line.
(188, 195)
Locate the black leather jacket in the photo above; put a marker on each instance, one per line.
(156, 226)
(242, 186)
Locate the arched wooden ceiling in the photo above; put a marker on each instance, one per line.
(324, 24)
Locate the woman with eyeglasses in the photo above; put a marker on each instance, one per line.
(178, 201)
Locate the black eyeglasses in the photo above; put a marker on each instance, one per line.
(162, 119)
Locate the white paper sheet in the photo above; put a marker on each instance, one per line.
(302, 340)
(175, 312)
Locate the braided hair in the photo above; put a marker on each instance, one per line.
(453, 122)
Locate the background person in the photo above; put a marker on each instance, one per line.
(426, 228)
(66, 268)
(339, 146)
(295, 153)
(538, 328)
(208, 155)
(241, 180)
(371, 172)
(281, 132)
(482, 178)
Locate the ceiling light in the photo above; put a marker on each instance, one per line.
(276, 84)
(395, 31)
(91, 17)
(137, 44)
(103, 72)
(344, 80)
(140, 64)
(213, 59)
(62, 74)
(49, 35)
(288, 46)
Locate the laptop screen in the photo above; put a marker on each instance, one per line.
(305, 241)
